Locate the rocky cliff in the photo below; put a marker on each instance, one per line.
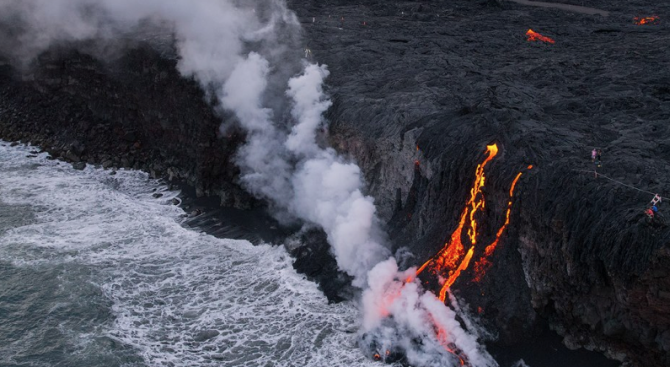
(419, 89)
(131, 109)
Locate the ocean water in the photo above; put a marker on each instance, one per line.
(95, 271)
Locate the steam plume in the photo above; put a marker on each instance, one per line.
(246, 57)
(400, 314)
(235, 51)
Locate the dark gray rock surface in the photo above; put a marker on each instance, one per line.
(132, 111)
(451, 77)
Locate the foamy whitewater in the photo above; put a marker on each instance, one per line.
(97, 272)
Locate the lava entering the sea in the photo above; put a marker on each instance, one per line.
(453, 258)
(399, 296)
(446, 259)
(531, 35)
(652, 20)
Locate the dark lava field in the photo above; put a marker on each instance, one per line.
(419, 89)
(450, 77)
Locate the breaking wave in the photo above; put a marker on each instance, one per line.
(174, 296)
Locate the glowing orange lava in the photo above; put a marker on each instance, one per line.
(450, 254)
(484, 263)
(453, 258)
(441, 336)
(452, 278)
(531, 35)
(389, 297)
(646, 20)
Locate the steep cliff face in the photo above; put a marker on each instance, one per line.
(133, 110)
(422, 87)
(419, 90)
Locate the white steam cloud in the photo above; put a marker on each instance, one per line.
(402, 314)
(209, 32)
(291, 170)
(244, 54)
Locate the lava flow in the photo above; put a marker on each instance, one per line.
(454, 250)
(484, 263)
(646, 20)
(453, 259)
(534, 36)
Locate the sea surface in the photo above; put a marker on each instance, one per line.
(96, 271)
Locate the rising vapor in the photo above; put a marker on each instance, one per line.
(245, 54)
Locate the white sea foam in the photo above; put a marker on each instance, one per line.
(179, 297)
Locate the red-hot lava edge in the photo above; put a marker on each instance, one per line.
(531, 35)
(453, 259)
(652, 20)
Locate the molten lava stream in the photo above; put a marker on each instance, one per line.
(484, 263)
(441, 336)
(446, 260)
(534, 36)
(452, 278)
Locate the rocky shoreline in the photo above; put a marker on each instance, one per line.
(137, 112)
(134, 111)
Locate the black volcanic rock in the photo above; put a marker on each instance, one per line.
(434, 82)
(79, 165)
(313, 258)
(134, 111)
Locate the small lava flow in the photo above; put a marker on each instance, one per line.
(484, 263)
(651, 20)
(531, 36)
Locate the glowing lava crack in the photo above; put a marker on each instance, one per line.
(453, 259)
